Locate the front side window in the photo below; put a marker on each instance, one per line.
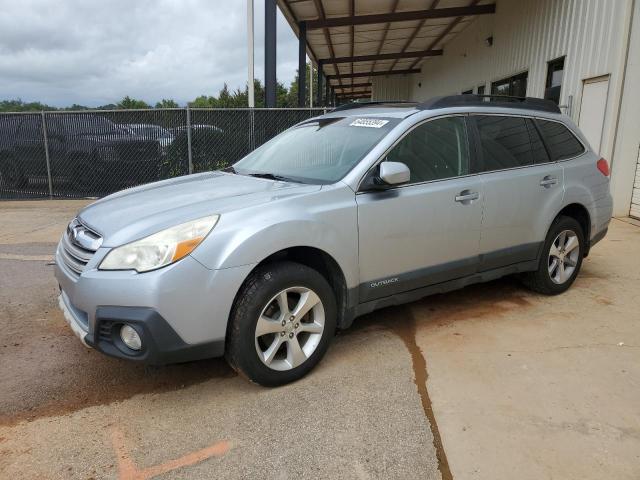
(321, 151)
(504, 142)
(435, 150)
(561, 142)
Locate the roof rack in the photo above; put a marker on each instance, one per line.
(502, 101)
(390, 103)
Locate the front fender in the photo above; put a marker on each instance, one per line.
(326, 220)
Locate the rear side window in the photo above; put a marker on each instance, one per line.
(504, 142)
(435, 150)
(538, 149)
(561, 142)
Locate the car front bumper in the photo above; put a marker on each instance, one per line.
(180, 311)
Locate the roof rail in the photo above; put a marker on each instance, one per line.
(390, 103)
(502, 101)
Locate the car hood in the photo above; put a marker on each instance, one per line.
(137, 212)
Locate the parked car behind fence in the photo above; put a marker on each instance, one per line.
(94, 153)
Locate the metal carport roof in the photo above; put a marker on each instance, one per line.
(352, 41)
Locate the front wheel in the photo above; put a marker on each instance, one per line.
(281, 324)
(561, 258)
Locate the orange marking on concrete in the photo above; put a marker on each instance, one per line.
(127, 469)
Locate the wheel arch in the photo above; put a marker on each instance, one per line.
(581, 214)
(323, 263)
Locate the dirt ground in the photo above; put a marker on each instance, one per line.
(489, 382)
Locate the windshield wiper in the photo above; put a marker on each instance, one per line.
(269, 176)
(230, 169)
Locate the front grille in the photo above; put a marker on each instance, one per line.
(79, 243)
(104, 330)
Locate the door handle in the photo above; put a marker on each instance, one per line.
(548, 181)
(466, 196)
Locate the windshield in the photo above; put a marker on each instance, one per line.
(321, 151)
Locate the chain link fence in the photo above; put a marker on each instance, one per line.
(94, 153)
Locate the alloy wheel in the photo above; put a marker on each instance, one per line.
(563, 256)
(289, 328)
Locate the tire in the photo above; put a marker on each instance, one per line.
(269, 355)
(556, 274)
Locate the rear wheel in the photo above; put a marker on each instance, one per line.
(281, 324)
(561, 258)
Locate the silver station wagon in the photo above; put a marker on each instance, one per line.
(367, 206)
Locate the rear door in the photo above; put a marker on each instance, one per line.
(523, 189)
(427, 231)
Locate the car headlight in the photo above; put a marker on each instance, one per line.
(160, 249)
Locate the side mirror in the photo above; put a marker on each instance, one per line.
(394, 173)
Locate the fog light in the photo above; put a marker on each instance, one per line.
(130, 337)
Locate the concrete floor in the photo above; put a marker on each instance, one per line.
(489, 382)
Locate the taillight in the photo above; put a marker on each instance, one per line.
(603, 166)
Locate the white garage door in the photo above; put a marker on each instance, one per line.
(635, 200)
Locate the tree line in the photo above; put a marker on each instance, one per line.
(238, 98)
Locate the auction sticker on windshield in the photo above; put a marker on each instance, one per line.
(368, 122)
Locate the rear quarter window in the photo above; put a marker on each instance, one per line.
(504, 141)
(561, 141)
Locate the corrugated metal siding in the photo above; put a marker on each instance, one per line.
(635, 198)
(391, 88)
(526, 35)
(627, 143)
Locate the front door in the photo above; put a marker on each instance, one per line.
(523, 189)
(427, 231)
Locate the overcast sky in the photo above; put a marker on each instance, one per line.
(92, 53)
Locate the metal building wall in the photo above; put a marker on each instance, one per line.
(627, 144)
(526, 35)
(393, 87)
(591, 34)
